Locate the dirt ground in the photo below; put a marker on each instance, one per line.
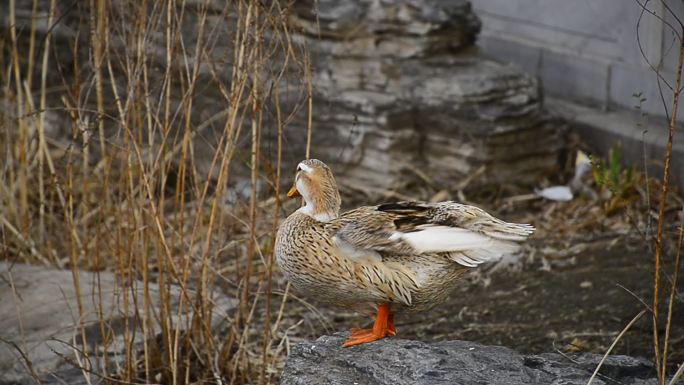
(577, 303)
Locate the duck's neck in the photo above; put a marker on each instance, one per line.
(322, 206)
(317, 214)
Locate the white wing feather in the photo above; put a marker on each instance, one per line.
(466, 247)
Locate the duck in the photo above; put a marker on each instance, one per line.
(394, 257)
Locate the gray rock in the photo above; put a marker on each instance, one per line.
(40, 318)
(394, 28)
(397, 361)
(400, 90)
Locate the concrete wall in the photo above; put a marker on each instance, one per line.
(585, 51)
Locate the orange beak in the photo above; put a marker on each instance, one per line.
(293, 193)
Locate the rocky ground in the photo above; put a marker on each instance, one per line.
(556, 301)
(398, 361)
(582, 278)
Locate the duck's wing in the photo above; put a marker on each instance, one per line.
(466, 234)
(367, 232)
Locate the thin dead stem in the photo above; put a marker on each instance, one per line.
(615, 342)
(673, 292)
(661, 354)
(153, 199)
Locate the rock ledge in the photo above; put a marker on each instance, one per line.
(397, 361)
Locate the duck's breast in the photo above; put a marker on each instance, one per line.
(309, 260)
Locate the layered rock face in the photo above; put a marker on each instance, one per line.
(401, 89)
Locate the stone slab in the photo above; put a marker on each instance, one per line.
(40, 317)
(403, 362)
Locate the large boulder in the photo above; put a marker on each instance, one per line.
(401, 92)
(42, 329)
(398, 362)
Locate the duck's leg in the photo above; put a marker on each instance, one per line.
(391, 329)
(383, 327)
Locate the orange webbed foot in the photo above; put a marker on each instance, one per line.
(362, 336)
(383, 327)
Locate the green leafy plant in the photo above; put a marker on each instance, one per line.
(610, 174)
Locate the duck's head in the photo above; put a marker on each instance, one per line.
(316, 184)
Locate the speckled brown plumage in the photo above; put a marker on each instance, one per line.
(407, 255)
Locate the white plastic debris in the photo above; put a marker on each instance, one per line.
(556, 193)
(577, 184)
